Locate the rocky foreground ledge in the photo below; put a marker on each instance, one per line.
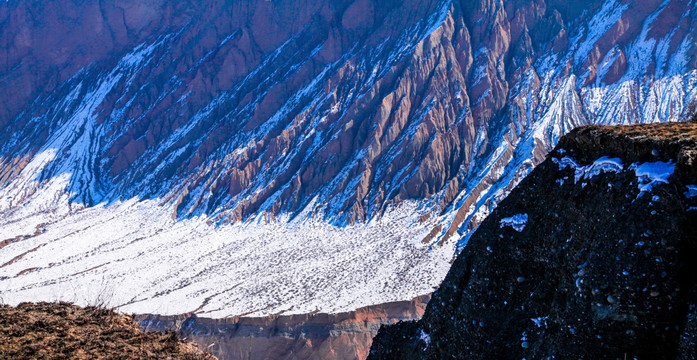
(65, 331)
(592, 256)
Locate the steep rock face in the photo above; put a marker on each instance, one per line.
(311, 336)
(261, 106)
(264, 111)
(220, 112)
(591, 256)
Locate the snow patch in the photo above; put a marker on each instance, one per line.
(540, 321)
(603, 165)
(649, 174)
(691, 191)
(517, 222)
(425, 338)
(653, 173)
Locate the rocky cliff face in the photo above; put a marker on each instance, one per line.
(310, 336)
(260, 106)
(125, 120)
(591, 256)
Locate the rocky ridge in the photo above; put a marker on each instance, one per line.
(591, 256)
(337, 108)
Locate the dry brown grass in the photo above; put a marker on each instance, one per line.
(677, 131)
(65, 331)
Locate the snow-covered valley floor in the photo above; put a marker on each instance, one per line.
(133, 256)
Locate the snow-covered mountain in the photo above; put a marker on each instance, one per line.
(256, 156)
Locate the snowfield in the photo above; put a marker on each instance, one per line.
(131, 255)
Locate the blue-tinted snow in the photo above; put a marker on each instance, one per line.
(517, 222)
(602, 165)
(540, 321)
(653, 173)
(425, 338)
(649, 174)
(691, 191)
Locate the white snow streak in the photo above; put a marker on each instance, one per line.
(653, 173)
(602, 165)
(517, 222)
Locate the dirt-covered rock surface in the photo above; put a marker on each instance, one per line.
(65, 331)
(592, 256)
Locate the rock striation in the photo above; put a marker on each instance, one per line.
(312, 336)
(591, 256)
(338, 108)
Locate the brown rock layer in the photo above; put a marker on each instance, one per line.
(311, 336)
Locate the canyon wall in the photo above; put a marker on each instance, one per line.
(311, 336)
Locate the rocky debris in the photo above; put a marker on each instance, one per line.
(603, 268)
(65, 331)
(312, 336)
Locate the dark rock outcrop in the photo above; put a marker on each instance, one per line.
(591, 256)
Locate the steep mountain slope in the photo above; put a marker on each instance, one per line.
(590, 257)
(156, 128)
